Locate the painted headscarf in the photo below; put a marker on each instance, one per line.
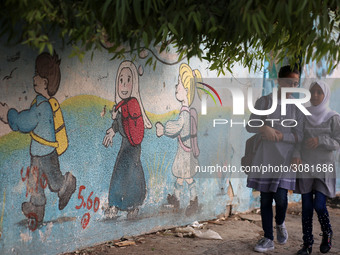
(135, 88)
(321, 113)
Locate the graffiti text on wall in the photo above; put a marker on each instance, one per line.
(34, 172)
(88, 204)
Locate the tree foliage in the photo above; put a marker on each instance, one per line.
(221, 31)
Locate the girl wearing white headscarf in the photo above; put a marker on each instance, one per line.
(316, 153)
(127, 188)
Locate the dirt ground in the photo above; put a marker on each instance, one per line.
(239, 234)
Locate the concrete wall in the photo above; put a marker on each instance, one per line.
(86, 96)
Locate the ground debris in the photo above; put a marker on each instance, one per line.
(250, 217)
(334, 202)
(238, 235)
(168, 232)
(217, 222)
(125, 243)
(196, 224)
(110, 244)
(189, 231)
(140, 240)
(209, 234)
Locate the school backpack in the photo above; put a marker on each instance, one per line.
(61, 142)
(253, 142)
(193, 133)
(132, 120)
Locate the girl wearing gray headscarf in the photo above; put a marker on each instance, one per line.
(316, 154)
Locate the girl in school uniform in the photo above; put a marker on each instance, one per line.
(275, 149)
(316, 153)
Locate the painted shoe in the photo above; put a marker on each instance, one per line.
(110, 212)
(32, 211)
(172, 200)
(66, 191)
(132, 214)
(192, 207)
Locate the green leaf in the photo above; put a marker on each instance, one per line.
(105, 6)
(145, 39)
(50, 48)
(137, 11)
(212, 30)
(147, 6)
(42, 47)
(197, 22)
(149, 61)
(172, 29)
(255, 24)
(181, 55)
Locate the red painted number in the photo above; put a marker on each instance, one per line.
(81, 197)
(89, 203)
(96, 204)
(85, 220)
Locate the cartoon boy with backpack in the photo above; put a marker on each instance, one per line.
(44, 122)
(185, 130)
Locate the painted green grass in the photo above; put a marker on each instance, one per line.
(157, 169)
(12, 142)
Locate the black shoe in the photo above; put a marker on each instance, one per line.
(192, 207)
(306, 249)
(32, 211)
(65, 193)
(326, 243)
(172, 200)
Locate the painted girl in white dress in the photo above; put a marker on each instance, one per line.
(183, 167)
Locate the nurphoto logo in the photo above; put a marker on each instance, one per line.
(238, 103)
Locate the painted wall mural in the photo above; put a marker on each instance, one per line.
(45, 124)
(127, 188)
(184, 128)
(93, 151)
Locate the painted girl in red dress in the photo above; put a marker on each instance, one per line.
(127, 188)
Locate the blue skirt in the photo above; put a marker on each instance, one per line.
(127, 187)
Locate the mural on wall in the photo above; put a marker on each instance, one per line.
(184, 128)
(45, 124)
(137, 174)
(127, 188)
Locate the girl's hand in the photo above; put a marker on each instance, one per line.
(108, 137)
(296, 162)
(279, 135)
(269, 134)
(159, 129)
(114, 113)
(312, 143)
